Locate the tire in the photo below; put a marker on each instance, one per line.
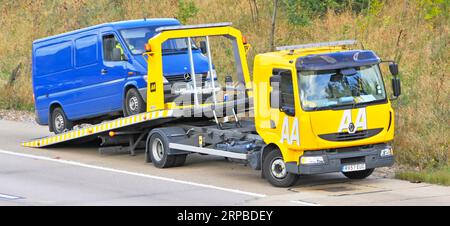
(358, 175)
(134, 104)
(179, 160)
(274, 170)
(158, 151)
(59, 121)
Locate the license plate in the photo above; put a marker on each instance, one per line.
(354, 167)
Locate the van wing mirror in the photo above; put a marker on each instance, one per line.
(203, 47)
(116, 54)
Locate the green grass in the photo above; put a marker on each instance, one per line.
(434, 176)
(4, 76)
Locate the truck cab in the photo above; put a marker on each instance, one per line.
(322, 109)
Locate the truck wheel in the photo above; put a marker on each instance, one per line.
(158, 151)
(60, 123)
(134, 104)
(358, 175)
(179, 160)
(274, 170)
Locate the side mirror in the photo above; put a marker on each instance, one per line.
(203, 47)
(396, 86)
(275, 96)
(393, 67)
(116, 55)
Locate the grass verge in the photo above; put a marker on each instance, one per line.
(434, 176)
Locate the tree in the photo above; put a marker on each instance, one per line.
(274, 17)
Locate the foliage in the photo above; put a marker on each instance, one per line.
(416, 30)
(186, 10)
(302, 12)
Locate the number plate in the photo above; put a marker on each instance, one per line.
(354, 167)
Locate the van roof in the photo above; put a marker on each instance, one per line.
(118, 25)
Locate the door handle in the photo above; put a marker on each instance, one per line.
(104, 71)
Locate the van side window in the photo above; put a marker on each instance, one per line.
(112, 49)
(282, 94)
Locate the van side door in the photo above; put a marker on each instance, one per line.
(113, 71)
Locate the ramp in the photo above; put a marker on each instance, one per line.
(95, 130)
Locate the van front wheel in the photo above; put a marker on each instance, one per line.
(60, 123)
(134, 104)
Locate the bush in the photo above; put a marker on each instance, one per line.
(186, 10)
(302, 12)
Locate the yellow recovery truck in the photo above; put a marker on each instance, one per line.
(318, 108)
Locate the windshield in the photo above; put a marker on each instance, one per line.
(343, 87)
(136, 38)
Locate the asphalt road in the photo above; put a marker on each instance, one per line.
(79, 175)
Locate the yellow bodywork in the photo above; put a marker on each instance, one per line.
(269, 121)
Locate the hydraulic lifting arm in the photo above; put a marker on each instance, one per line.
(155, 90)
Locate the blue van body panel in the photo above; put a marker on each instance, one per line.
(66, 70)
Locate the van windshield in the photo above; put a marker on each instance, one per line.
(136, 38)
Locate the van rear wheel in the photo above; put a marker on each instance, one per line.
(60, 122)
(134, 104)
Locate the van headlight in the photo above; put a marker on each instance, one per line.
(306, 160)
(388, 151)
(214, 74)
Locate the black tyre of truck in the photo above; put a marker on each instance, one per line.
(179, 160)
(274, 170)
(59, 121)
(158, 150)
(134, 104)
(358, 175)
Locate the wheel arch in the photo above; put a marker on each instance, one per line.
(265, 150)
(128, 86)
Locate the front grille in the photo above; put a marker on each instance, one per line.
(180, 78)
(358, 135)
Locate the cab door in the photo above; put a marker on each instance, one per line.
(113, 72)
(283, 108)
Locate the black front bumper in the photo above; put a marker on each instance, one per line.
(335, 159)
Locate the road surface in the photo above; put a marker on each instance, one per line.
(79, 175)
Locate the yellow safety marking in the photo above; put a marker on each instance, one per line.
(98, 128)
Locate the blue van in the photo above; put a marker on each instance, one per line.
(98, 72)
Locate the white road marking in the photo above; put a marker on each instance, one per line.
(132, 173)
(305, 203)
(11, 197)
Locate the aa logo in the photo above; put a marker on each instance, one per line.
(288, 134)
(351, 127)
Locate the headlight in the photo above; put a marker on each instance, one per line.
(305, 160)
(214, 74)
(388, 151)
